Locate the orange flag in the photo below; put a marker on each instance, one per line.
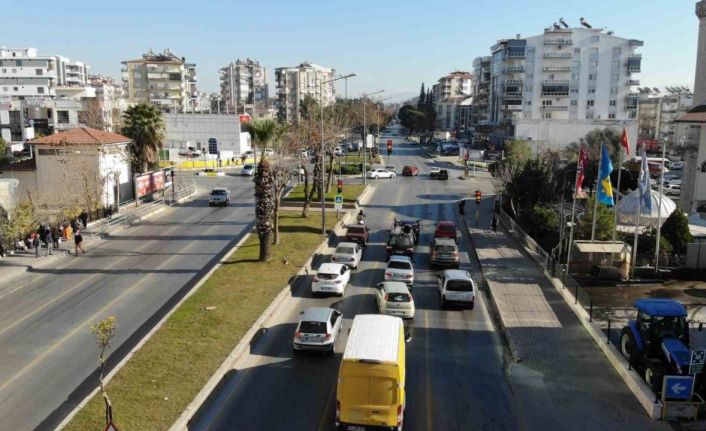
(624, 142)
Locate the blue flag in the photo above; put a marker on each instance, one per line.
(605, 188)
(644, 183)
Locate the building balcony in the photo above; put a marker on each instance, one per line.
(557, 30)
(555, 93)
(512, 107)
(558, 55)
(631, 107)
(515, 81)
(559, 42)
(556, 69)
(516, 55)
(555, 81)
(632, 95)
(634, 69)
(513, 95)
(555, 108)
(633, 82)
(514, 69)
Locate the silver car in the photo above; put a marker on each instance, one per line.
(317, 329)
(219, 196)
(348, 253)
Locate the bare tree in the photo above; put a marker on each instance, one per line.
(92, 114)
(104, 331)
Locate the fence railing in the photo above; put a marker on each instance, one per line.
(128, 217)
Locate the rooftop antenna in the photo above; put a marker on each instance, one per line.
(562, 22)
(584, 23)
(656, 90)
(556, 26)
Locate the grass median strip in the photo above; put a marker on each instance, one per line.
(161, 379)
(350, 193)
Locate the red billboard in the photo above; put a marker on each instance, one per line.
(149, 183)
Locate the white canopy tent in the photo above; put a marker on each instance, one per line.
(628, 208)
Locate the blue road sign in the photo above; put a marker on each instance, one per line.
(338, 199)
(678, 387)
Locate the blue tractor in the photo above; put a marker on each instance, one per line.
(657, 342)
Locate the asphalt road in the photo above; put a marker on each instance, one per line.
(455, 360)
(48, 356)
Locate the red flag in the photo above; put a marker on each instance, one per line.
(580, 173)
(624, 142)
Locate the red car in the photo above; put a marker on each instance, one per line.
(410, 171)
(445, 229)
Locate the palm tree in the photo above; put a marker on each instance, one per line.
(143, 124)
(263, 133)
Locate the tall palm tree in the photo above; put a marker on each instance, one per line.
(143, 124)
(263, 133)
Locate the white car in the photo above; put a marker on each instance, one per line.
(434, 171)
(672, 189)
(380, 173)
(678, 165)
(219, 196)
(348, 253)
(338, 151)
(317, 329)
(456, 287)
(248, 170)
(331, 278)
(672, 182)
(399, 268)
(394, 299)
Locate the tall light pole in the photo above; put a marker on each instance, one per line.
(322, 153)
(377, 118)
(365, 136)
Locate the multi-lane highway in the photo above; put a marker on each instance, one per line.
(48, 356)
(455, 360)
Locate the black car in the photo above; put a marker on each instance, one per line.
(443, 174)
(400, 243)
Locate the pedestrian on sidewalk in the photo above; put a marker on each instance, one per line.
(494, 224)
(78, 239)
(462, 207)
(68, 232)
(84, 218)
(36, 243)
(55, 235)
(74, 224)
(49, 240)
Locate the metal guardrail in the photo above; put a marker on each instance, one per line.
(125, 218)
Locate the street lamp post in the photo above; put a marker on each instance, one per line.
(322, 154)
(365, 138)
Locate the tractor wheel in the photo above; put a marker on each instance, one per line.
(654, 371)
(627, 343)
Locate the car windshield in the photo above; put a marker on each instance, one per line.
(218, 193)
(344, 250)
(668, 327)
(326, 276)
(308, 327)
(397, 297)
(247, 167)
(459, 286)
(446, 228)
(445, 248)
(400, 241)
(399, 265)
(356, 229)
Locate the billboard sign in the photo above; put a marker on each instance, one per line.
(149, 183)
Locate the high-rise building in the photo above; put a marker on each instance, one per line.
(244, 86)
(104, 111)
(295, 83)
(165, 80)
(556, 87)
(39, 94)
(448, 93)
(656, 114)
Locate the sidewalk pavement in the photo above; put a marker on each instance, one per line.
(562, 379)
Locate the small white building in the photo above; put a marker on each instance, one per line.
(195, 131)
(82, 167)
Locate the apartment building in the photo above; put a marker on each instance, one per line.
(244, 86)
(108, 104)
(165, 80)
(448, 93)
(295, 83)
(38, 94)
(656, 114)
(556, 87)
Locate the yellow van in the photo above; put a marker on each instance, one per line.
(371, 379)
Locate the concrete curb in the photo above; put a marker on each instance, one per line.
(182, 423)
(156, 327)
(643, 393)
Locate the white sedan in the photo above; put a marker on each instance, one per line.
(348, 253)
(380, 173)
(399, 268)
(331, 278)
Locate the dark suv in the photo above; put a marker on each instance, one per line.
(400, 242)
(357, 233)
(444, 252)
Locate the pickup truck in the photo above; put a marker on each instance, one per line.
(357, 233)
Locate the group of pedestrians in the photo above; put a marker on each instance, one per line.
(50, 237)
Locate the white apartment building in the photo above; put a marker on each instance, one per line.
(295, 83)
(656, 114)
(448, 93)
(244, 86)
(109, 102)
(38, 94)
(556, 87)
(164, 80)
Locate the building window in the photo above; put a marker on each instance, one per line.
(15, 89)
(546, 103)
(62, 117)
(5, 89)
(616, 51)
(591, 91)
(589, 115)
(595, 38)
(591, 76)
(529, 102)
(574, 91)
(574, 103)
(14, 70)
(39, 72)
(593, 64)
(613, 90)
(613, 103)
(18, 63)
(611, 116)
(590, 102)
(548, 115)
(40, 90)
(4, 71)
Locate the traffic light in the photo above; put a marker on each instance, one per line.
(478, 196)
(340, 186)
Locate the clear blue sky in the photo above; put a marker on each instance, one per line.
(390, 47)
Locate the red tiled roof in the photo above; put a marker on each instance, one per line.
(696, 114)
(24, 165)
(80, 136)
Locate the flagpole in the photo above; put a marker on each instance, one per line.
(595, 194)
(573, 218)
(659, 207)
(615, 207)
(634, 246)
